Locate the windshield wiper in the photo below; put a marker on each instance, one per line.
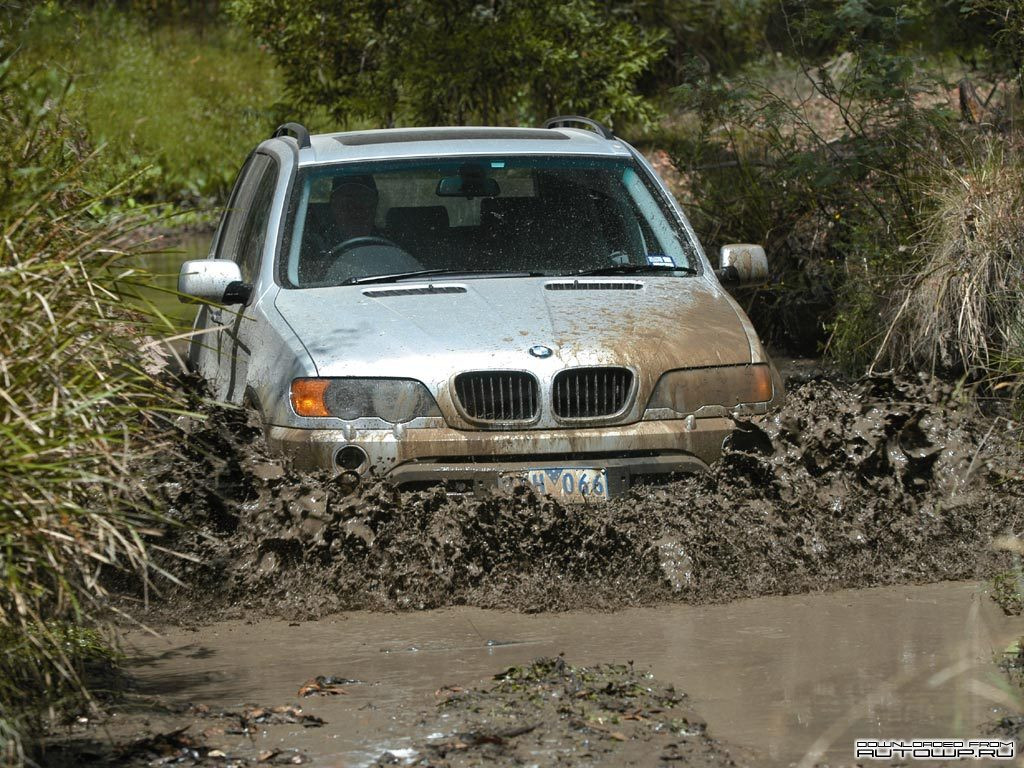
(632, 269)
(394, 278)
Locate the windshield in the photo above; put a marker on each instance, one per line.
(485, 215)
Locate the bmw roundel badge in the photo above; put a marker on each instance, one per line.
(539, 350)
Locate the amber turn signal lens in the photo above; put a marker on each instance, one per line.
(308, 397)
(763, 388)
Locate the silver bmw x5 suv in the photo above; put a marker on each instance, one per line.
(479, 306)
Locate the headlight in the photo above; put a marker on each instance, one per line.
(393, 400)
(688, 390)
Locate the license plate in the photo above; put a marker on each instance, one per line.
(565, 483)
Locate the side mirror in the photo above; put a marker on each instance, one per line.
(742, 264)
(217, 280)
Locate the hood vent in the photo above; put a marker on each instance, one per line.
(591, 285)
(423, 290)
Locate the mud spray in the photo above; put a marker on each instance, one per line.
(887, 480)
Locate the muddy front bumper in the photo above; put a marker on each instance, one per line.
(480, 459)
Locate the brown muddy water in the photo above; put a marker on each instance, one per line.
(780, 681)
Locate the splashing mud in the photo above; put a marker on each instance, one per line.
(885, 481)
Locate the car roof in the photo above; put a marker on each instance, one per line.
(449, 141)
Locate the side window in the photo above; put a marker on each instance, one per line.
(231, 216)
(237, 212)
(254, 230)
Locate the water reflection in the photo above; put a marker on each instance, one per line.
(164, 267)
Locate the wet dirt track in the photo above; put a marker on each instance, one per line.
(779, 681)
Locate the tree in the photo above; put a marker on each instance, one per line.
(457, 61)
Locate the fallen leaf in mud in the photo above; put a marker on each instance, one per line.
(174, 748)
(325, 685)
(282, 757)
(253, 715)
(278, 716)
(468, 740)
(448, 691)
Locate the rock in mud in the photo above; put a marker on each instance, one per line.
(886, 480)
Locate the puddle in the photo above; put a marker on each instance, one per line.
(781, 681)
(164, 267)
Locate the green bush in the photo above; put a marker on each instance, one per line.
(456, 61)
(820, 165)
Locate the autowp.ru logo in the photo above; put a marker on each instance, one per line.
(934, 749)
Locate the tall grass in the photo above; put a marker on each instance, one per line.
(183, 102)
(959, 305)
(75, 401)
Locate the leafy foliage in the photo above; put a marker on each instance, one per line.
(457, 61)
(818, 160)
(888, 214)
(723, 34)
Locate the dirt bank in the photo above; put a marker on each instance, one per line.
(883, 481)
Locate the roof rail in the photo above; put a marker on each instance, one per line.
(298, 130)
(601, 128)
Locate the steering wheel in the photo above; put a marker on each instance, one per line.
(359, 242)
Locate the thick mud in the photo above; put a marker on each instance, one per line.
(882, 481)
(548, 711)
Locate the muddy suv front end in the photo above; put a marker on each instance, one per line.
(575, 400)
(481, 307)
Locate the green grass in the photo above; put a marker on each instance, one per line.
(180, 105)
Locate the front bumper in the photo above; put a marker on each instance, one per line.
(481, 457)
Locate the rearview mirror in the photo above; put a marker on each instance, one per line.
(472, 181)
(218, 280)
(742, 264)
(467, 186)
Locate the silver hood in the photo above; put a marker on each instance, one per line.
(492, 323)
